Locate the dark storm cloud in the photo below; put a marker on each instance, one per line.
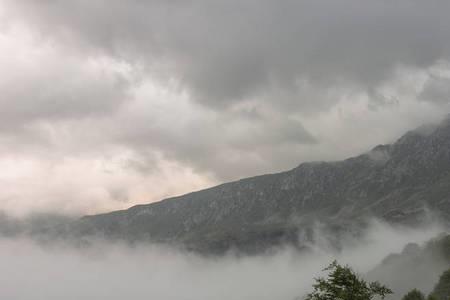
(225, 51)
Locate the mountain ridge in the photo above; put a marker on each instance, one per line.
(396, 182)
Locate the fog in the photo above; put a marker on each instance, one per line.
(117, 271)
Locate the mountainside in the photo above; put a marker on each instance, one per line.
(396, 182)
(417, 266)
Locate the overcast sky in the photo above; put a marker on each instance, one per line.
(108, 103)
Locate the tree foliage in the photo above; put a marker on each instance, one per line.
(344, 284)
(415, 294)
(442, 289)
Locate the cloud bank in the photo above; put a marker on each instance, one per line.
(115, 271)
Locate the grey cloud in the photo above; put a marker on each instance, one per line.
(54, 87)
(226, 51)
(244, 87)
(379, 100)
(225, 144)
(118, 194)
(436, 90)
(61, 102)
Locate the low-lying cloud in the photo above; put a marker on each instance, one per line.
(116, 271)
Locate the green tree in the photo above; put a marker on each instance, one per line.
(415, 294)
(442, 289)
(431, 297)
(344, 284)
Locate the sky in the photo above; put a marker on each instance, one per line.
(109, 103)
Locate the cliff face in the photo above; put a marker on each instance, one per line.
(395, 182)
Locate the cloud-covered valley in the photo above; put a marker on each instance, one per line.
(116, 271)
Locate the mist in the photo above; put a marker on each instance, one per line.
(107, 270)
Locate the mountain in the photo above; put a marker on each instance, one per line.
(416, 267)
(396, 182)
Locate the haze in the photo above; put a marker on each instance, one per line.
(116, 271)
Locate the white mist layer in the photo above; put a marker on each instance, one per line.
(112, 271)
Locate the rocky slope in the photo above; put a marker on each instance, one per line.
(396, 182)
